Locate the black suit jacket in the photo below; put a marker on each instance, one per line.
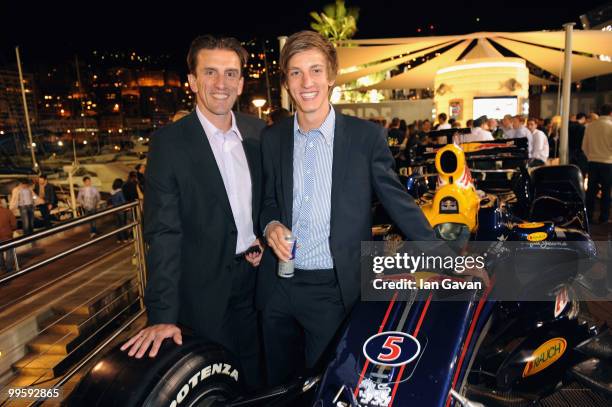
(362, 164)
(50, 196)
(189, 226)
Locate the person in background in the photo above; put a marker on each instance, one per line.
(520, 131)
(574, 143)
(553, 136)
(277, 115)
(130, 188)
(25, 203)
(496, 131)
(539, 151)
(140, 174)
(480, 131)
(394, 135)
(403, 126)
(597, 146)
(591, 118)
(89, 198)
(117, 199)
(424, 132)
(442, 123)
(506, 126)
(8, 224)
(179, 115)
(47, 200)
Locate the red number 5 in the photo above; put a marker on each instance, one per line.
(392, 347)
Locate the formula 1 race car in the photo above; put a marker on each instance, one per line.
(421, 349)
(485, 349)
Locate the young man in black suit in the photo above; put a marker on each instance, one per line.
(320, 169)
(201, 214)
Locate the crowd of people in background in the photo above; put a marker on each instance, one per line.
(589, 143)
(29, 196)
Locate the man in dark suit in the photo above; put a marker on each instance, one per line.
(201, 214)
(320, 169)
(48, 199)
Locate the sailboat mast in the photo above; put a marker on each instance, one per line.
(27, 115)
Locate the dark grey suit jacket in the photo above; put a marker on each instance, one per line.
(362, 164)
(189, 226)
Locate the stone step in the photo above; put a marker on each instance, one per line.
(71, 323)
(37, 365)
(54, 343)
(90, 300)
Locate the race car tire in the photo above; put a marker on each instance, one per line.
(195, 373)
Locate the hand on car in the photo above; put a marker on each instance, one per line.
(152, 335)
(275, 235)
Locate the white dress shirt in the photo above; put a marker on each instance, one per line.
(539, 148)
(234, 168)
(508, 132)
(443, 126)
(477, 134)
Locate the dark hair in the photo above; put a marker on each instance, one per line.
(43, 176)
(395, 121)
(278, 114)
(580, 116)
(132, 176)
(117, 183)
(451, 121)
(305, 40)
(138, 166)
(442, 116)
(85, 178)
(212, 42)
(605, 109)
(402, 125)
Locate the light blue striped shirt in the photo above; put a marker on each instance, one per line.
(313, 154)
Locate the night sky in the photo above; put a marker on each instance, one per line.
(52, 32)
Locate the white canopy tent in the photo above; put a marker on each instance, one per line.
(591, 52)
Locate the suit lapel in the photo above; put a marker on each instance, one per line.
(286, 146)
(204, 161)
(342, 143)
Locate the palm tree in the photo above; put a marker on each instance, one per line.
(336, 22)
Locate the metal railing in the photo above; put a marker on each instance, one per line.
(133, 223)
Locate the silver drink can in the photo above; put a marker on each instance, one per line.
(286, 268)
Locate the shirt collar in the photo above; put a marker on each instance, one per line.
(211, 130)
(326, 128)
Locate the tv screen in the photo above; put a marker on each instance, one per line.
(495, 107)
